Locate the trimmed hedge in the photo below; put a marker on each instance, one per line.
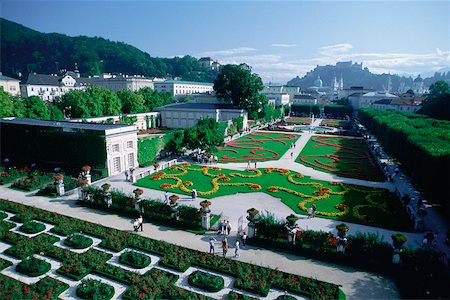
(32, 227)
(94, 289)
(33, 267)
(135, 259)
(338, 111)
(78, 241)
(305, 109)
(205, 281)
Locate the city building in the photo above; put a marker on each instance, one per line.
(122, 82)
(304, 99)
(352, 90)
(48, 87)
(144, 121)
(418, 87)
(400, 105)
(9, 85)
(281, 89)
(278, 98)
(186, 115)
(176, 87)
(363, 100)
(108, 149)
(209, 63)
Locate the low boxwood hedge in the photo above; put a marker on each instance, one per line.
(94, 289)
(135, 259)
(78, 241)
(33, 267)
(32, 227)
(205, 281)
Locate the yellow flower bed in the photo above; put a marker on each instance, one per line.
(256, 171)
(313, 184)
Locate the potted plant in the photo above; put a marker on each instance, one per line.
(205, 206)
(173, 199)
(342, 229)
(252, 214)
(398, 240)
(106, 187)
(58, 177)
(86, 169)
(137, 193)
(291, 219)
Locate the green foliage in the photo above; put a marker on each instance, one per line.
(305, 110)
(437, 104)
(239, 121)
(35, 108)
(205, 281)
(236, 84)
(25, 50)
(19, 107)
(135, 259)
(204, 136)
(148, 149)
(94, 289)
(175, 141)
(131, 102)
(6, 105)
(421, 144)
(222, 127)
(343, 101)
(32, 227)
(105, 101)
(33, 267)
(78, 241)
(272, 113)
(338, 111)
(55, 113)
(153, 99)
(128, 120)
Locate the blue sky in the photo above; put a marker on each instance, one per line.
(279, 39)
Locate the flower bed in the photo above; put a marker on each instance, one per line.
(94, 289)
(135, 259)
(205, 281)
(78, 241)
(32, 227)
(33, 267)
(34, 181)
(11, 174)
(155, 283)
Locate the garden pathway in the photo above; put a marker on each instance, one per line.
(355, 283)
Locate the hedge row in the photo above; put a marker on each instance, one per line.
(420, 143)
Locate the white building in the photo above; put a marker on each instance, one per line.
(186, 115)
(396, 104)
(209, 63)
(304, 99)
(352, 90)
(9, 85)
(122, 82)
(48, 87)
(176, 87)
(362, 100)
(278, 98)
(144, 121)
(283, 89)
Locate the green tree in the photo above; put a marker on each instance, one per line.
(176, 142)
(55, 113)
(437, 104)
(131, 102)
(343, 101)
(237, 84)
(35, 108)
(104, 102)
(75, 103)
(153, 99)
(204, 136)
(19, 107)
(6, 105)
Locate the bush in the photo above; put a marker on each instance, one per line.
(32, 227)
(78, 241)
(205, 281)
(135, 259)
(94, 289)
(33, 267)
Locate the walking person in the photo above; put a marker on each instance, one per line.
(135, 225)
(314, 209)
(140, 222)
(236, 248)
(166, 197)
(255, 164)
(126, 175)
(211, 244)
(248, 164)
(310, 212)
(224, 227)
(194, 194)
(228, 228)
(292, 154)
(224, 247)
(244, 238)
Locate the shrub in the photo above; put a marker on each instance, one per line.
(33, 267)
(94, 289)
(205, 281)
(32, 227)
(135, 259)
(78, 241)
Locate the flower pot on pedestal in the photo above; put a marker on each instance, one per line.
(252, 218)
(341, 239)
(206, 216)
(59, 184)
(398, 242)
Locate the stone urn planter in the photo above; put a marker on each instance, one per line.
(174, 206)
(398, 242)
(206, 216)
(107, 197)
(137, 195)
(253, 215)
(59, 184)
(86, 173)
(291, 227)
(342, 237)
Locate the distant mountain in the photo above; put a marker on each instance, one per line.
(24, 50)
(356, 75)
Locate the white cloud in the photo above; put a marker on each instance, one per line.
(335, 49)
(227, 52)
(284, 45)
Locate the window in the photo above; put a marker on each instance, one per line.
(130, 144)
(115, 148)
(116, 164)
(131, 160)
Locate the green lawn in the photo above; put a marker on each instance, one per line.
(257, 146)
(342, 156)
(298, 120)
(368, 206)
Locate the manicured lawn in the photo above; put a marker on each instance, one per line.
(345, 157)
(368, 206)
(298, 120)
(257, 146)
(335, 123)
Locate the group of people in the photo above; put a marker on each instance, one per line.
(138, 223)
(205, 158)
(129, 175)
(249, 162)
(224, 227)
(224, 246)
(312, 211)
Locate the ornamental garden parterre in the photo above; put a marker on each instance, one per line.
(157, 281)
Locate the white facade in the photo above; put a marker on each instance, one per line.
(186, 115)
(396, 107)
(279, 98)
(367, 99)
(121, 151)
(123, 82)
(284, 89)
(144, 121)
(175, 87)
(9, 85)
(304, 99)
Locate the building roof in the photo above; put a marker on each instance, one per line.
(63, 124)
(184, 82)
(55, 80)
(303, 96)
(206, 59)
(6, 78)
(379, 94)
(383, 101)
(197, 106)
